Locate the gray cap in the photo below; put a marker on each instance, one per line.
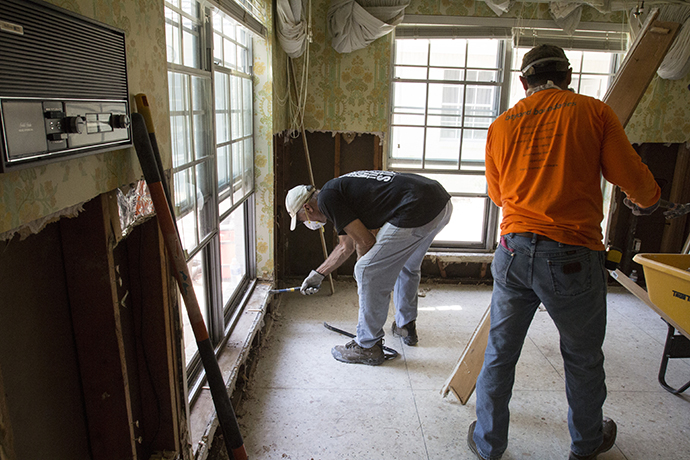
(544, 58)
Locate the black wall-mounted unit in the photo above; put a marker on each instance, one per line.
(63, 85)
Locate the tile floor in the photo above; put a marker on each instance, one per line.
(301, 404)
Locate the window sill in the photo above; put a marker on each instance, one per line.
(231, 359)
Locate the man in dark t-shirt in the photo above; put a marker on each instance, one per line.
(410, 210)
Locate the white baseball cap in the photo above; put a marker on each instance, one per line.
(295, 199)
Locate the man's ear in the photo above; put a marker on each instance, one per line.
(525, 85)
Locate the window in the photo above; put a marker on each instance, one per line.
(211, 120)
(445, 94)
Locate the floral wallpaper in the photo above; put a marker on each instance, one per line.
(663, 114)
(38, 193)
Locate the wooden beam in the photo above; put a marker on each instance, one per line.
(149, 289)
(92, 288)
(463, 379)
(639, 66)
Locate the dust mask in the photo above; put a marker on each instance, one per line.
(311, 225)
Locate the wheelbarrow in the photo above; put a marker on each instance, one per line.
(668, 284)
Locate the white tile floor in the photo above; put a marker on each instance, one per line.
(301, 404)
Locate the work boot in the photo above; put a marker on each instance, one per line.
(352, 353)
(470, 441)
(408, 332)
(610, 429)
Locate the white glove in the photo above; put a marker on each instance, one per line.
(311, 283)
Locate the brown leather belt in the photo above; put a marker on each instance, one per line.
(530, 235)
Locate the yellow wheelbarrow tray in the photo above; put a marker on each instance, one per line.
(668, 284)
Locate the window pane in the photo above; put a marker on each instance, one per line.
(180, 123)
(205, 198)
(473, 145)
(190, 39)
(408, 120)
(247, 112)
(232, 252)
(482, 100)
(461, 183)
(224, 168)
(467, 222)
(483, 53)
(408, 146)
(442, 148)
(243, 59)
(172, 37)
(185, 207)
(197, 271)
(412, 52)
(446, 74)
(222, 108)
(201, 107)
(217, 49)
(410, 97)
(575, 58)
(190, 7)
(229, 54)
(597, 62)
(445, 99)
(594, 85)
(448, 53)
(248, 177)
(482, 75)
(237, 170)
(411, 73)
(236, 124)
(451, 118)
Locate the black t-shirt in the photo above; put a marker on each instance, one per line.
(377, 197)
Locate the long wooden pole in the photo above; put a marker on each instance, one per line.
(221, 400)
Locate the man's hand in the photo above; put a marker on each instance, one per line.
(638, 211)
(311, 283)
(676, 210)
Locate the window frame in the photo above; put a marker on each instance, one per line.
(201, 160)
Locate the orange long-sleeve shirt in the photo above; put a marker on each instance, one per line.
(544, 161)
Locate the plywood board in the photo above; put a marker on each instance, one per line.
(639, 66)
(464, 377)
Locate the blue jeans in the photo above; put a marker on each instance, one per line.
(393, 264)
(571, 283)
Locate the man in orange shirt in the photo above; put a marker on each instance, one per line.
(544, 162)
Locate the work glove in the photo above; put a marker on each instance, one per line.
(638, 211)
(676, 210)
(311, 283)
